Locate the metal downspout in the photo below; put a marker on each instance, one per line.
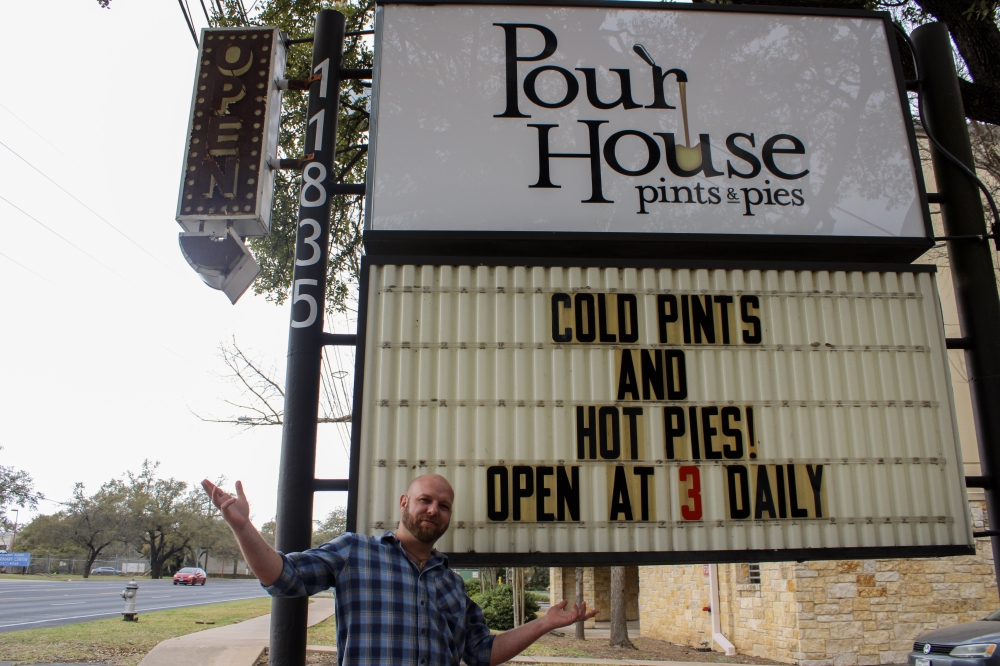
(717, 635)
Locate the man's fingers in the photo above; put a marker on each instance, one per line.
(239, 490)
(561, 605)
(591, 614)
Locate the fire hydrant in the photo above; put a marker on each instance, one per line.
(128, 594)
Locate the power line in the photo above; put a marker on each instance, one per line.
(63, 238)
(187, 18)
(94, 212)
(36, 133)
(15, 261)
(129, 324)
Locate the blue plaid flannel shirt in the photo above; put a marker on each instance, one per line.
(388, 612)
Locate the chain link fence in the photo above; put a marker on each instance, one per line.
(70, 565)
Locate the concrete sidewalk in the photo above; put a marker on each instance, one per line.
(242, 645)
(239, 644)
(562, 660)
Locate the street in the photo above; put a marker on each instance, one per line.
(32, 604)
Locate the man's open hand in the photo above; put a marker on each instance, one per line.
(236, 510)
(560, 615)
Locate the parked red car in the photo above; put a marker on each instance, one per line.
(190, 576)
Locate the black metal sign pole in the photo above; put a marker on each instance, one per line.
(970, 254)
(302, 377)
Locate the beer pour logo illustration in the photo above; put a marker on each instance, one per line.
(688, 158)
(693, 165)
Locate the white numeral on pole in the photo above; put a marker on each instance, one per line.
(296, 297)
(323, 67)
(318, 119)
(313, 183)
(311, 242)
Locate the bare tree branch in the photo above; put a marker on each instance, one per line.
(264, 396)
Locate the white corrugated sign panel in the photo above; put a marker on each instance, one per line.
(624, 410)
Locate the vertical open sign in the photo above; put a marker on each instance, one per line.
(233, 131)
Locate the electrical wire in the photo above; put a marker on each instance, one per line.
(94, 212)
(63, 238)
(15, 261)
(35, 132)
(126, 324)
(995, 227)
(190, 24)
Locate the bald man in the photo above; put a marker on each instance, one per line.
(397, 600)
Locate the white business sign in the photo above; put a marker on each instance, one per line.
(663, 120)
(662, 414)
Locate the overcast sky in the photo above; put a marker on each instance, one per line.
(110, 341)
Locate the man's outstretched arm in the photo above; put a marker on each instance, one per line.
(263, 560)
(511, 643)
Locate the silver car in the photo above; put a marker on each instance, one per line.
(967, 644)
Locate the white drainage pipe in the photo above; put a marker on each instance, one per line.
(717, 635)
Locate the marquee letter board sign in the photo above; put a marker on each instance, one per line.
(652, 415)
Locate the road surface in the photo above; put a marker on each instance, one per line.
(33, 604)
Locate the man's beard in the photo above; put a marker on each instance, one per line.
(424, 533)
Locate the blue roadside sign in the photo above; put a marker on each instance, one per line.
(15, 559)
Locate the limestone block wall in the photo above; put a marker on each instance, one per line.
(829, 613)
(861, 613)
(761, 619)
(671, 599)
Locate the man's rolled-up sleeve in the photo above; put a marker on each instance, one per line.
(478, 639)
(312, 571)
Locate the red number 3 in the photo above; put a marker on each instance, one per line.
(689, 512)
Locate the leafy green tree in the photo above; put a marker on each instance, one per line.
(48, 534)
(331, 527)
(275, 253)
(17, 488)
(161, 524)
(96, 522)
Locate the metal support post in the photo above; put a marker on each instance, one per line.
(302, 377)
(971, 262)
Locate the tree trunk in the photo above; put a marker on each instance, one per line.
(91, 558)
(619, 626)
(579, 602)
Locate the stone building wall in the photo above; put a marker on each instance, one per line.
(861, 613)
(760, 618)
(671, 599)
(828, 613)
(596, 590)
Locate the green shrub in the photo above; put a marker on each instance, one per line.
(498, 607)
(472, 587)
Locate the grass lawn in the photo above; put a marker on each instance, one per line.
(122, 643)
(324, 633)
